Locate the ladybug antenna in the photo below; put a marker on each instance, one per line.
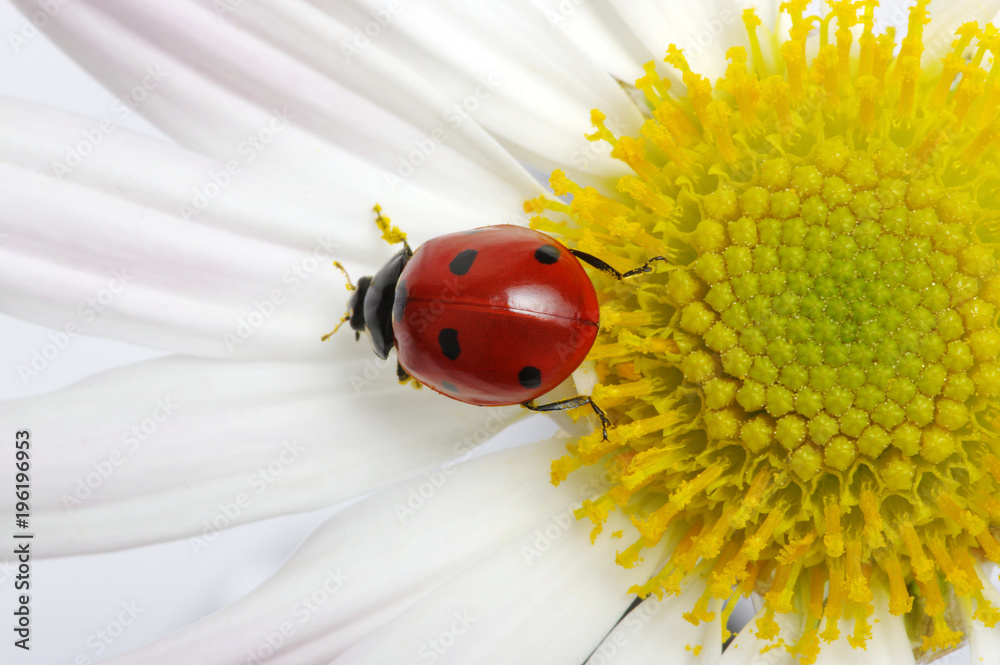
(340, 266)
(347, 317)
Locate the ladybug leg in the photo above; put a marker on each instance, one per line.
(401, 373)
(571, 403)
(390, 233)
(608, 270)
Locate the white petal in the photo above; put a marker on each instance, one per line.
(516, 74)
(946, 17)
(119, 247)
(390, 551)
(656, 631)
(984, 642)
(703, 30)
(81, 260)
(227, 90)
(600, 34)
(180, 447)
(546, 597)
(622, 36)
(99, 155)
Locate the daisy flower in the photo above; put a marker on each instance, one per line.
(804, 398)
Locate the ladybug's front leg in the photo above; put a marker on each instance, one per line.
(390, 233)
(608, 270)
(571, 403)
(402, 374)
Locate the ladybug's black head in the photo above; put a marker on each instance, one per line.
(370, 308)
(356, 307)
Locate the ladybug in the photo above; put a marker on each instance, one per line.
(493, 316)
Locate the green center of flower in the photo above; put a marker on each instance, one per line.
(807, 398)
(842, 308)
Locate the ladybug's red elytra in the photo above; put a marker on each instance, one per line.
(494, 316)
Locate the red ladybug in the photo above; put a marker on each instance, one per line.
(493, 316)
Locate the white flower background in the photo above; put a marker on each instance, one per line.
(74, 598)
(77, 601)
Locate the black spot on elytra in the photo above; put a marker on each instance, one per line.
(448, 339)
(530, 377)
(547, 254)
(449, 387)
(399, 303)
(462, 261)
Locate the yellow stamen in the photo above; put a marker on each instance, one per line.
(873, 519)
(857, 577)
(833, 539)
(900, 601)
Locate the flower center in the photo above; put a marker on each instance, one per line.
(807, 396)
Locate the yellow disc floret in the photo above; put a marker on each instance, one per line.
(807, 396)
